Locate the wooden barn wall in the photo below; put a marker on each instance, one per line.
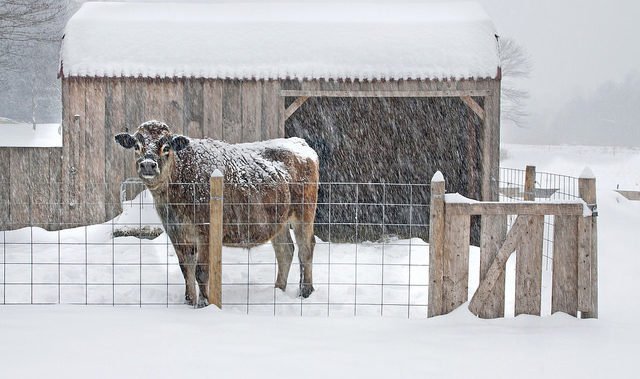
(82, 183)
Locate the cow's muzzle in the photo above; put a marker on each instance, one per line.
(148, 169)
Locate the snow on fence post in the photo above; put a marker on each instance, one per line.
(587, 191)
(215, 238)
(436, 246)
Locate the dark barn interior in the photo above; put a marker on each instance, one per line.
(398, 142)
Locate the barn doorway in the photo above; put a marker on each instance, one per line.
(392, 146)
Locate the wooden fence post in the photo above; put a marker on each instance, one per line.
(436, 246)
(587, 191)
(530, 184)
(215, 238)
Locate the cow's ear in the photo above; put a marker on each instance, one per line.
(179, 142)
(125, 140)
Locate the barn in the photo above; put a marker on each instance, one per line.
(384, 93)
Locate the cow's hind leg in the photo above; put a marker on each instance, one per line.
(283, 246)
(202, 269)
(306, 243)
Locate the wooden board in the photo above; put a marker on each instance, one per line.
(231, 111)
(529, 268)
(564, 293)
(39, 179)
(251, 91)
(585, 304)
(524, 208)
(271, 111)
(95, 152)
(116, 157)
(456, 261)
(193, 108)
(212, 108)
(19, 187)
(5, 188)
(173, 104)
(492, 237)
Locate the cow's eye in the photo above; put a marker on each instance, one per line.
(165, 149)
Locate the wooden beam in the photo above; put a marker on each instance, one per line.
(475, 107)
(533, 209)
(436, 247)
(374, 93)
(216, 191)
(294, 106)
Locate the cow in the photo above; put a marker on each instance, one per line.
(269, 186)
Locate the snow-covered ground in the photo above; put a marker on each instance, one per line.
(99, 341)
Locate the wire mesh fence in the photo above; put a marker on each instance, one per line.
(370, 258)
(547, 187)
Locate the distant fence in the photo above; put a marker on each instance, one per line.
(574, 281)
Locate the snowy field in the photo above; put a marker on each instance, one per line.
(160, 341)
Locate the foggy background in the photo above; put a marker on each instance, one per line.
(583, 85)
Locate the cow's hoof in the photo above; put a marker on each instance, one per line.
(202, 302)
(189, 301)
(282, 287)
(306, 290)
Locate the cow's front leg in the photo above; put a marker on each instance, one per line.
(187, 258)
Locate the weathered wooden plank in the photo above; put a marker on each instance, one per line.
(436, 248)
(251, 92)
(55, 188)
(473, 105)
(529, 268)
(492, 237)
(135, 99)
(530, 183)
(383, 93)
(39, 177)
(297, 103)
(495, 208)
(271, 110)
(20, 187)
(587, 190)
(193, 108)
(497, 267)
(232, 111)
(117, 159)
(95, 151)
(154, 102)
(212, 109)
(173, 100)
(5, 188)
(456, 261)
(76, 170)
(564, 293)
(584, 265)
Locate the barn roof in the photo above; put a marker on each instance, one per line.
(282, 40)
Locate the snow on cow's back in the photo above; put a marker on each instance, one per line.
(296, 145)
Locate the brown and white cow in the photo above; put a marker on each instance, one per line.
(268, 185)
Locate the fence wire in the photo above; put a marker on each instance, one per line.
(371, 254)
(548, 187)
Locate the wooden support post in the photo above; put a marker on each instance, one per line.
(215, 238)
(529, 268)
(436, 246)
(475, 107)
(587, 190)
(297, 103)
(564, 295)
(530, 184)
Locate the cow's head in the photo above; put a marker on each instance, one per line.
(155, 147)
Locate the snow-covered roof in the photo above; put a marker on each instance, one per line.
(281, 40)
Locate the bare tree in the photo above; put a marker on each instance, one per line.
(516, 65)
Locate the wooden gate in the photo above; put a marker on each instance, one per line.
(574, 278)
